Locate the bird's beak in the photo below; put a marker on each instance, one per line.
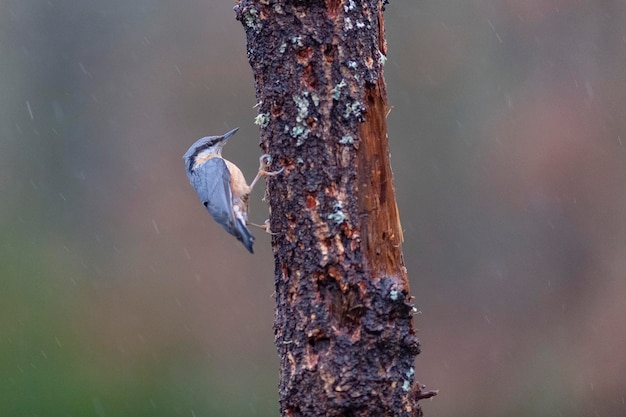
(229, 134)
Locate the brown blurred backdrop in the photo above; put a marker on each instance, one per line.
(508, 137)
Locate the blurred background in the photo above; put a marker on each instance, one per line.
(508, 140)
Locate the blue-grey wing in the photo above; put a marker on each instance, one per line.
(211, 180)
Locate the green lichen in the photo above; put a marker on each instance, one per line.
(355, 109)
(300, 133)
(301, 129)
(296, 40)
(251, 19)
(262, 119)
(302, 103)
(346, 140)
(316, 99)
(338, 216)
(347, 24)
(336, 90)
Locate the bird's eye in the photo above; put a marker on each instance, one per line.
(205, 203)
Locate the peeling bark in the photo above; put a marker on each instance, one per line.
(343, 325)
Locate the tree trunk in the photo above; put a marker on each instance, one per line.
(343, 325)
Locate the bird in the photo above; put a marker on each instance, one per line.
(221, 186)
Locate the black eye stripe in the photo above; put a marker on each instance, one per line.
(205, 146)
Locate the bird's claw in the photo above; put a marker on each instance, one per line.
(265, 160)
(265, 226)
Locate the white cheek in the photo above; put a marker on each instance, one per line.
(204, 154)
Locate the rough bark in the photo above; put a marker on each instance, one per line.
(343, 324)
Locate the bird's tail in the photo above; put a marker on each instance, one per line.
(244, 235)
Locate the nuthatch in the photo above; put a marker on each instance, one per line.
(221, 186)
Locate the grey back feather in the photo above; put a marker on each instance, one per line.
(211, 180)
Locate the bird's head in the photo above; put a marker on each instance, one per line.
(206, 148)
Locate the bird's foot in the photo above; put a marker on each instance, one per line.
(264, 161)
(265, 226)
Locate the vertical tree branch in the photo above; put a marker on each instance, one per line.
(343, 324)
